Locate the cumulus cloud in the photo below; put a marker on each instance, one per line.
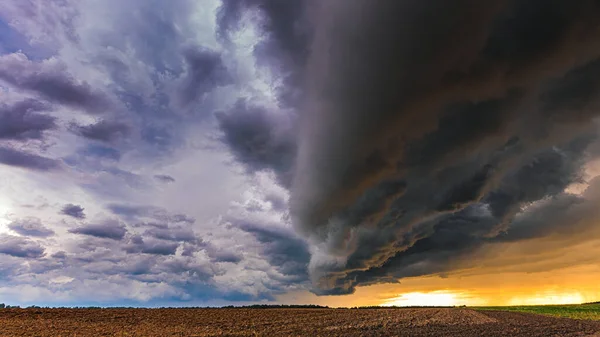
(20, 247)
(30, 227)
(110, 229)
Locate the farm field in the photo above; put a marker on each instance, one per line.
(577, 311)
(287, 322)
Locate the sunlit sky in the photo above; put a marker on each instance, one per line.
(342, 153)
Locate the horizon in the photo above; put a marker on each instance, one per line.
(344, 153)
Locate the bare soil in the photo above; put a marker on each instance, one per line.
(286, 322)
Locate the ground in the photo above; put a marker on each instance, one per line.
(287, 322)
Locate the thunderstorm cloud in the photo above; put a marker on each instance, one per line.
(224, 151)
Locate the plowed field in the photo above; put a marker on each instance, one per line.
(286, 322)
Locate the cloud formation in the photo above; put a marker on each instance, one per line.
(20, 247)
(22, 120)
(403, 130)
(74, 211)
(13, 157)
(107, 230)
(231, 150)
(30, 227)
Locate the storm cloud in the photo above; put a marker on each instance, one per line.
(403, 128)
(229, 150)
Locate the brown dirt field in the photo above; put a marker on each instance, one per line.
(286, 322)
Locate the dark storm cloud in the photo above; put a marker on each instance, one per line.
(110, 229)
(259, 139)
(20, 247)
(285, 251)
(103, 130)
(205, 71)
(30, 227)
(22, 120)
(51, 82)
(17, 158)
(74, 211)
(419, 115)
(164, 178)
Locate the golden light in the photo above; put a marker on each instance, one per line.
(435, 298)
(549, 298)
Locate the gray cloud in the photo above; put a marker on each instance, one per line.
(20, 247)
(259, 139)
(110, 229)
(164, 178)
(155, 247)
(152, 212)
(74, 211)
(103, 131)
(204, 72)
(288, 253)
(172, 234)
(22, 120)
(30, 227)
(286, 34)
(50, 80)
(13, 157)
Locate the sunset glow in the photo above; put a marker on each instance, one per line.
(438, 298)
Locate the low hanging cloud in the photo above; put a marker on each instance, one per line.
(403, 129)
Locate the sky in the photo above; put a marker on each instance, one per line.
(339, 152)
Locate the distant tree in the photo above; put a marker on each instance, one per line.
(2, 305)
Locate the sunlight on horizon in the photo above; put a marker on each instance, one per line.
(435, 298)
(549, 298)
(445, 298)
